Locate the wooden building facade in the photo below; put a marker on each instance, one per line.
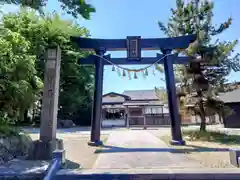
(232, 100)
(133, 108)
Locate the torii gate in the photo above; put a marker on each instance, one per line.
(134, 45)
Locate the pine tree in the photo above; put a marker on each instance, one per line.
(206, 73)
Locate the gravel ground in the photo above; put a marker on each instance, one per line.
(209, 154)
(78, 153)
(211, 159)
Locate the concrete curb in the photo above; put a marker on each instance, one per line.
(147, 174)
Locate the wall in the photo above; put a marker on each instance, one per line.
(209, 120)
(135, 111)
(157, 120)
(113, 122)
(135, 116)
(136, 121)
(233, 121)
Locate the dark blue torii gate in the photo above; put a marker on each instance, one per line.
(134, 45)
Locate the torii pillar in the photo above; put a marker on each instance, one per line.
(97, 101)
(172, 101)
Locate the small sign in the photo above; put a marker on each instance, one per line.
(133, 47)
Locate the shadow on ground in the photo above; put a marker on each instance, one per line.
(71, 165)
(188, 149)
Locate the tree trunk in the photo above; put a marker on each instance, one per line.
(203, 118)
(25, 115)
(223, 119)
(220, 118)
(202, 113)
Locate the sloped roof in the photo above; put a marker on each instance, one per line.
(142, 103)
(113, 97)
(230, 97)
(141, 94)
(117, 106)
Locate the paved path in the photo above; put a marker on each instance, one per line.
(139, 149)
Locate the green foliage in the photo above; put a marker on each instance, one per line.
(161, 94)
(27, 38)
(212, 137)
(7, 129)
(72, 7)
(195, 17)
(18, 80)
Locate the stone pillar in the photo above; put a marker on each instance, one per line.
(172, 101)
(97, 102)
(50, 95)
(48, 143)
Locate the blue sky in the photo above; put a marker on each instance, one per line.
(121, 18)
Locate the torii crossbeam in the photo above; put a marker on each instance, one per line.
(134, 45)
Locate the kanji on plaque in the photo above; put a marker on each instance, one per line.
(133, 48)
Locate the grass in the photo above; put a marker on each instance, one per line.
(216, 137)
(210, 149)
(104, 139)
(100, 148)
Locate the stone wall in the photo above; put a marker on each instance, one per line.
(14, 147)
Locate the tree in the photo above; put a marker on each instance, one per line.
(72, 7)
(18, 81)
(212, 58)
(161, 93)
(40, 32)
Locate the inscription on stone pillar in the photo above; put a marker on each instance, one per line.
(50, 95)
(51, 64)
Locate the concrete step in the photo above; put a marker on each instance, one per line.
(150, 174)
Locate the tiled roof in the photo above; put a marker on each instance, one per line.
(142, 103)
(118, 106)
(117, 99)
(141, 94)
(136, 103)
(113, 98)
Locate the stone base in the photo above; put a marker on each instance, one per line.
(178, 143)
(59, 154)
(95, 143)
(234, 156)
(42, 150)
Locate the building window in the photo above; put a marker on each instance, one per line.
(153, 110)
